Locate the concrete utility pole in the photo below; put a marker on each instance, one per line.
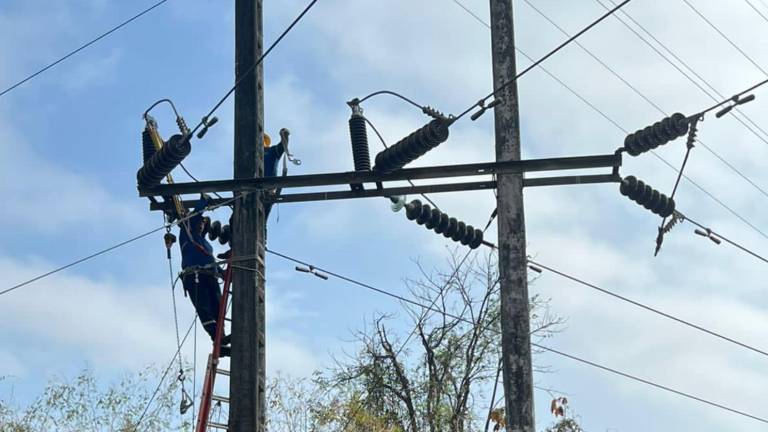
(515, 318)
(246, 386)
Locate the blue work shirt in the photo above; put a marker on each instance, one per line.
(195, 251)
(271, 158)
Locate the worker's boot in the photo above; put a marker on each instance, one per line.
(225, 351)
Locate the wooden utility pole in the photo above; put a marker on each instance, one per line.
(246, 387)
(515, 318)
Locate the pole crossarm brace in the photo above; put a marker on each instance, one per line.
(405, 190)
(444, 171)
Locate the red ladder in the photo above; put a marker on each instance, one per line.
(212, 370)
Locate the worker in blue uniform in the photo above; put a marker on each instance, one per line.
(200, 272)
(272, 155)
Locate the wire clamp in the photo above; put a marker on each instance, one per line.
(737, 100)
(483, 107)
(311, 270)
(707, 233)
(207, 123)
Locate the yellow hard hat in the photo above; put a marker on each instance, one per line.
(267, 141)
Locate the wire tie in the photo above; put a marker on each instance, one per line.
(535, 268)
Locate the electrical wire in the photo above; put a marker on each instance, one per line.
(116, 246)
(675, 62)
(651, 102)
(727, 240)
(448, 282)
(84, 46)
(255, 64)
(552, 350)
(541, 60)
(395, 94)
(624, 130)
(733, 44)
(648, 308)
(765, 18)
(165, 374)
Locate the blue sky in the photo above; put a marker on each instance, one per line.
(69, 150)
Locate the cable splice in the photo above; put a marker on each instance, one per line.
(413, 146)
(646, 196)
(441, 223)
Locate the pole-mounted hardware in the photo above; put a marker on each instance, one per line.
(646, 196)
(439, 222)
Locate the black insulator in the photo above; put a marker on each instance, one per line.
(434, 219)
(469, 236)
(441, 223)
(206, 225)
(658, 134)
(164, 161)
(647, 196)
(413, 146)
(359, 137)
(478, 240)
(147, 146)
(226, 234)
(461, 231)
(214, 231)
(424, 215)
(452, 227)
(413, 209)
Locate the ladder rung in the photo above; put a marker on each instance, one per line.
(222, 372)
(217, 425)
(218, 398)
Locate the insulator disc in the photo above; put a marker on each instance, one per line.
(453, 225)
(426, 213)
(478, 240)
(413, 209)
(443, 224)
(214, 231)
(434, 219)
(226, 234)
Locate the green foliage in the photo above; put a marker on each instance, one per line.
(82, 404)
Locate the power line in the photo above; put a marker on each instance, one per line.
(552, 350)
(84, 46)
(727, 240)
(541, 60)
(165, 374)
(624, 130)
(756, 10)
(675, 65)
(254, 65)
(648, 308)
(733, 44)
(651, 102)
(656, 385)
(116, 246)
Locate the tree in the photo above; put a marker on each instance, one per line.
(437, 379)
(83, 405)
(567, 422)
